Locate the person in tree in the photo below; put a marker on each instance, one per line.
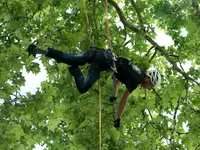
(102, 60)
(99, 60)
(131, 76)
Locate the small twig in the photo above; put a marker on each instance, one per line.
(193, 109)
(180, 133)
(148, 108)
(94, 14)
(3, 23)
(187, 91)
(152, 57)
(128, 16)
(11, 15)
(150, 114)
(181, 66)
(176, 56)
(175, 123)
(176, 109)
(127, 42)
(149, 50)
(158, 95)
(197, 146)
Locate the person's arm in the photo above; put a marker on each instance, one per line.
(122, 103)
(121, 107)
(115, 88)
(116, 85)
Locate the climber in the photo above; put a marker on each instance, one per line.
(100, 60)
(131, 76)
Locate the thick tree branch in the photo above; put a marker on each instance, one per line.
(148, 38)
(122, 18)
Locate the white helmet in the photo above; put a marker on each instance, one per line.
(155, 77)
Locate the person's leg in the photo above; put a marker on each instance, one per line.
(60, 56)
(66, 58)
(84, 84)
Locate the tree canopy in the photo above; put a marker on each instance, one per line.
(61, 118)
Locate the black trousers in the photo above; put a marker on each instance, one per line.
(99, 60)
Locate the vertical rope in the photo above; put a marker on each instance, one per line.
(107, 27)
(88, 24)
(100, 115)
(109, 49)
(92, 42)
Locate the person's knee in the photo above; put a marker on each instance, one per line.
(74, 70)
(82, 90)
(84, 87)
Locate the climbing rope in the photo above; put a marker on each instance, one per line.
(100, 114)
(89, 29)
(109, 49)
(107, 27)
(92, 42)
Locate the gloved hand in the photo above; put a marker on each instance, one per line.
(113, 99)
(31, 50)
(117, 123)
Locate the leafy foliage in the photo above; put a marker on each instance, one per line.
(58, 116)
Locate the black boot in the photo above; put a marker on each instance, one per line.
(33, 50)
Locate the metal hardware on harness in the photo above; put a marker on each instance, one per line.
(114, 59)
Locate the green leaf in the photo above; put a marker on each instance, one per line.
(115, 134)
(19, 33)
(5, 16)
(52, 123)
(30, 141)
(16, 130)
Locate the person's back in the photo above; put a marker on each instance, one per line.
(128, 73)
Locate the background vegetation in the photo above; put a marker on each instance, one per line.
(61, 118)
